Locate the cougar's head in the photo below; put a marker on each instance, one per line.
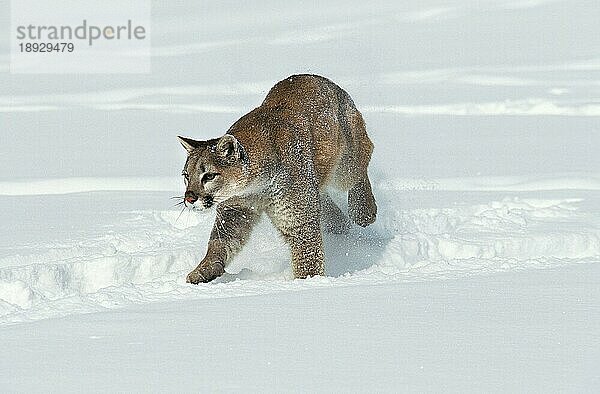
(213, 171)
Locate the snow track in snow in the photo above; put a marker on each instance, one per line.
(142, 256)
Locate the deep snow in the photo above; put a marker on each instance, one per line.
(113, 250)
(481, 273)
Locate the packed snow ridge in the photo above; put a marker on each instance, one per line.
(144, 255)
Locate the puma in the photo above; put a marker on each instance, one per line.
(279, 159)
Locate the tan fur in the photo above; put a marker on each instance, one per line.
(278, 159)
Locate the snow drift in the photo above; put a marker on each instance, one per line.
(143, 255)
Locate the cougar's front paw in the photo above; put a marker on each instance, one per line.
(195, 277)
(205, 272)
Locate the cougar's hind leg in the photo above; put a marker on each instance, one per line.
(361, 203)
(362, 208)
(333, 219)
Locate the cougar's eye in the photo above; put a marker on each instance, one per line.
(186, 177)
(209, 176)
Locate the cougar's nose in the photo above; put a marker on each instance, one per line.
(191, 197)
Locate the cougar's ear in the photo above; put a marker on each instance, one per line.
(231, 149)
(189, 144)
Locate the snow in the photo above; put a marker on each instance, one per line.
(138, 256)
(533, 331)
(480, 274)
